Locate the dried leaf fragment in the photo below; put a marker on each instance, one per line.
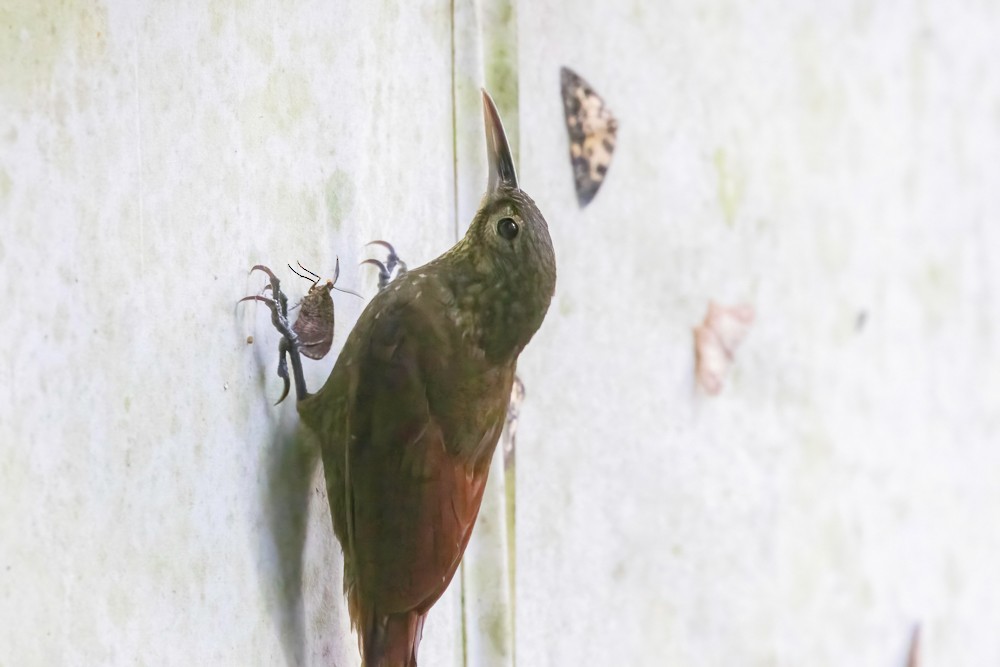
(913, 657)
(716, 340)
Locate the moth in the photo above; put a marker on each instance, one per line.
(592, 132)
(314, 325)
(715, 343)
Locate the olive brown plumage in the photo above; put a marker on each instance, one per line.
(411, 413)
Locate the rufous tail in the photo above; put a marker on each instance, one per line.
(392, 641)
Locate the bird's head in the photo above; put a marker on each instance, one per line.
(508, 245)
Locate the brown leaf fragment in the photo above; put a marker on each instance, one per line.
(715, 343)
(913, 657)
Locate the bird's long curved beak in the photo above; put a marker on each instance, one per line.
(497, 149)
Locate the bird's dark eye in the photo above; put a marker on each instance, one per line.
(507, 228)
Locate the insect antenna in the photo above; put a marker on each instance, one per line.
(312, 280)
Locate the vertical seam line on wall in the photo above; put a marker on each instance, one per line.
(454, 131)
(138, 148)
(454, 219)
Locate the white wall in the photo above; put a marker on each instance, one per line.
(815, 161)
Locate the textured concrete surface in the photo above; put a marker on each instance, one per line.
(156, 508)
(835, 167)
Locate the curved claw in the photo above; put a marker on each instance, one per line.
(384, 244)
(257, 297)
(380, 265)
(393, 260)
(261, 267)
(383, 272)
(283, 369)
(289, 345)
(281, 303)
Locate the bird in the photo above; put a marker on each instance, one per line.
(410, 416)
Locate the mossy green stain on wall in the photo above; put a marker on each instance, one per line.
(276, 108)
(494, 625)
(339, 192)
(936, 287)
(36, 37)
(566, 305)
(499, 40)
(731, 185)
(822, 95)
(5, 188)
(500, 64)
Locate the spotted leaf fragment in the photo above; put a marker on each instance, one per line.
(715, 343)
(592, 132)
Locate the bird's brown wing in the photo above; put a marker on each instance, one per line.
(411, 504)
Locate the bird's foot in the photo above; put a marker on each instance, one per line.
(289, 345)
(393, 263)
